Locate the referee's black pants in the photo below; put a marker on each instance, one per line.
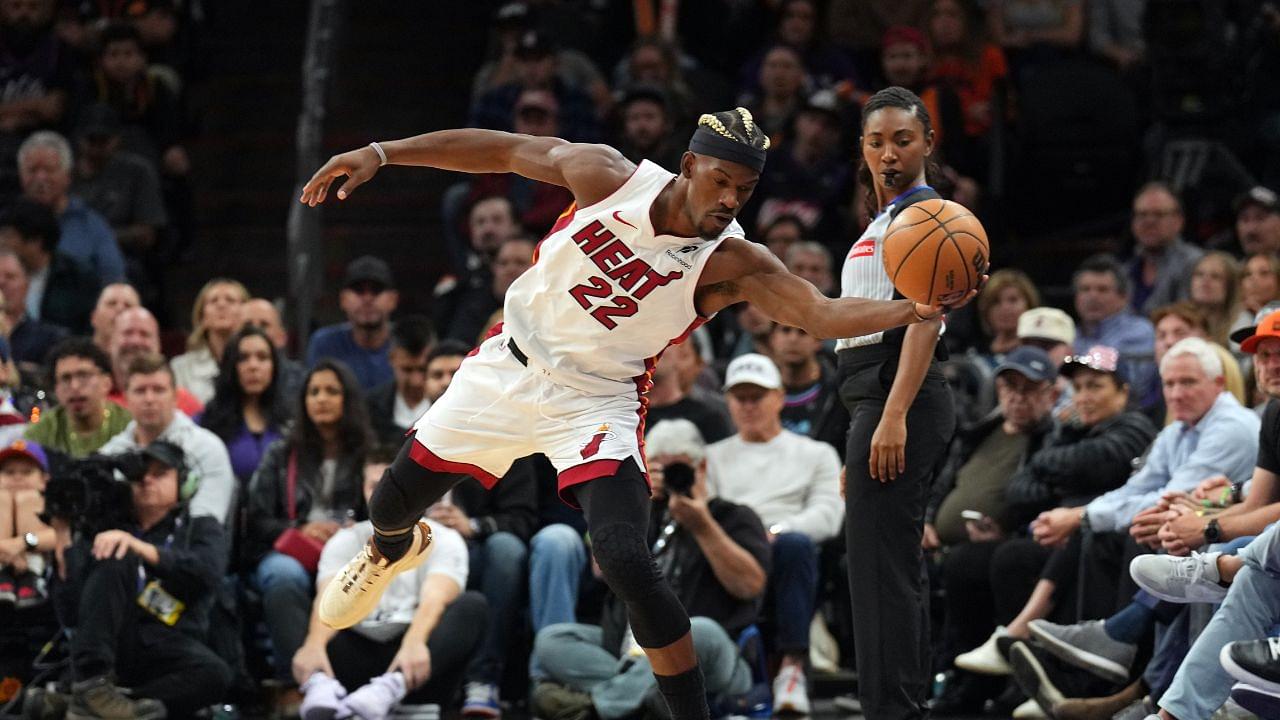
(884, 523)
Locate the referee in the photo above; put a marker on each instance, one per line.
(902, 419)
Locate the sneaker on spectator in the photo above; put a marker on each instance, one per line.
(355, 591)
(99, 698)
(322, 697)
(482, 701)
(791, 691)
(1090, 708)
(31, 590)
(553, 701)
(8, 589)
(1263, 703)
(1032, 677)
(376, 699)
(986, 659)
(1029, 710)
(1193, 579)
(1087, 646)
(1256, 662)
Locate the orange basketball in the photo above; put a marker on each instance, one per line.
(935, 251)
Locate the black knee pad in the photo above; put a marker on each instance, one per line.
(657, 617)
(405, 491)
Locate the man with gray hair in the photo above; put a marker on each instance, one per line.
(44, 167)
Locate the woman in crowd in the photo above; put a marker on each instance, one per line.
(308, 486)
(1259, 285)
(248, 410)
(1215, 290)
(1007, 295)
(215, 316)
(1182, 320)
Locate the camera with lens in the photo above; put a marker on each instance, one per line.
(678, 477)
(93, 494)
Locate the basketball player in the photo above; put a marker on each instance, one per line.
(902, 418)
(639, 260)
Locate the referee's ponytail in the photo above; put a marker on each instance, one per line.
(903, 99)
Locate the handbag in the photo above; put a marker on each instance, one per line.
(292, 542)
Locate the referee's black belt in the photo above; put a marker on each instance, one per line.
(516, 352)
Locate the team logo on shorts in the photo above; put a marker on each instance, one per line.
(592, 446)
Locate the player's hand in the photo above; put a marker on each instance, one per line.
(888, 449)
(929, 312)
(414, 661)
(359, 166)
(311, 658)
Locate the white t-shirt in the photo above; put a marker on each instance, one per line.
(405, 416)
(791, 480)
(395, 610)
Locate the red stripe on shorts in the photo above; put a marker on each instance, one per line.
(585, 472)
(429, 460)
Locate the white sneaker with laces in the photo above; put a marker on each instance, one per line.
(482, 701)
(376, 699)
(791, 691)
(1191, 579)
(986, 658)
(354, 591)
(322, 698)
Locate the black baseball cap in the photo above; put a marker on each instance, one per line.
(1260, 195)
(1029, 361)
(166, 453)
(368, 268)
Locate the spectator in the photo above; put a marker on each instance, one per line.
(1162, 260)
(83, 421)
(1182, 320)
(697, 379)
(60, 291)
(1102, 304)
(113, 300)
(1258, 221)
(781, 233)
(151, 398)
(368, 298)
(122, 186)
(797, 26)
(474, 308)
(1116, 32)
(965, 62)
(310, 484)
(24, 472)
(653, 61)
(29, 339)
(536, 70)
(669, 400)
(37, 69)
(1259, 286)
(811, 261)
(143, 100)
(645, 129)
(44, 165)
(395, 406)
(1215, 290)
(1037, 24)
(263, 313)
(138, 639)
(715, 555)
(801, 508)
(135, 332)
(1007, 296)
(811, 405)
(215, 317)
(1049, 329)
(414, 646)
(491, 222)
(782, 90)
(250, 409)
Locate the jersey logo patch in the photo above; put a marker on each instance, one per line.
(863, 248)
(593, 445)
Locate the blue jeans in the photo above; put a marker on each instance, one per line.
(498, 572)
(573, 655)
(793, 591)
(557, 557)
(286, 589)
(1251, 608)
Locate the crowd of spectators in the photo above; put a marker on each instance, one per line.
(1116, 454)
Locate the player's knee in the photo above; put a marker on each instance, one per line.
(624, 560)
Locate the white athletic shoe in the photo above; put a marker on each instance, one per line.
(354, 591)
(986, 658)
(1029, 710)
(791, 691)
(1191, 579)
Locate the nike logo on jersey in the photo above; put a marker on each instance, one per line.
(618, 217)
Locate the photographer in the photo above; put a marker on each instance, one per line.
(137, 598)
(715, 555)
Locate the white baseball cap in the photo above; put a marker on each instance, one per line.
(1046, 323)
(753, 369)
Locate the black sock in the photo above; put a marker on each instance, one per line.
(686, 694)
(393, 546)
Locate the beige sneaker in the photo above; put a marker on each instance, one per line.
(354, 592)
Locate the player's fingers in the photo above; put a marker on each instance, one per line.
(349, 187)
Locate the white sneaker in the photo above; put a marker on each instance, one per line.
(322, 698)
(1191, 579)
(986, 658)
(354, 592)
(1029, 709)
(791, 691)
(376, 699)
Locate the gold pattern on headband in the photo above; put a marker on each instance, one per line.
(712, 122)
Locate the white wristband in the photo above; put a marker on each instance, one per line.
(382, 155)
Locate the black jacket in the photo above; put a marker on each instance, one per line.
(511, 506)
(268, 493)
(70, 295)
(1078, 464)
(966, 442)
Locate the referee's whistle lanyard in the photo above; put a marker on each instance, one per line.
(903, 195)
(168, 543)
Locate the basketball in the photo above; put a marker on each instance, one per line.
(936, 251)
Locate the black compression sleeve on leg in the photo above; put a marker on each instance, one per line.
(686, 694)
(403, 494)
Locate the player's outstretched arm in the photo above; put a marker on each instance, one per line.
(753, 274)
(590, 172)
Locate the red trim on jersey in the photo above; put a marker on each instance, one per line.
(429, 460)
(561, 223)
(497, 328)
(863, 248)
(585, 472)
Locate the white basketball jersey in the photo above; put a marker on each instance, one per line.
(605, 295)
